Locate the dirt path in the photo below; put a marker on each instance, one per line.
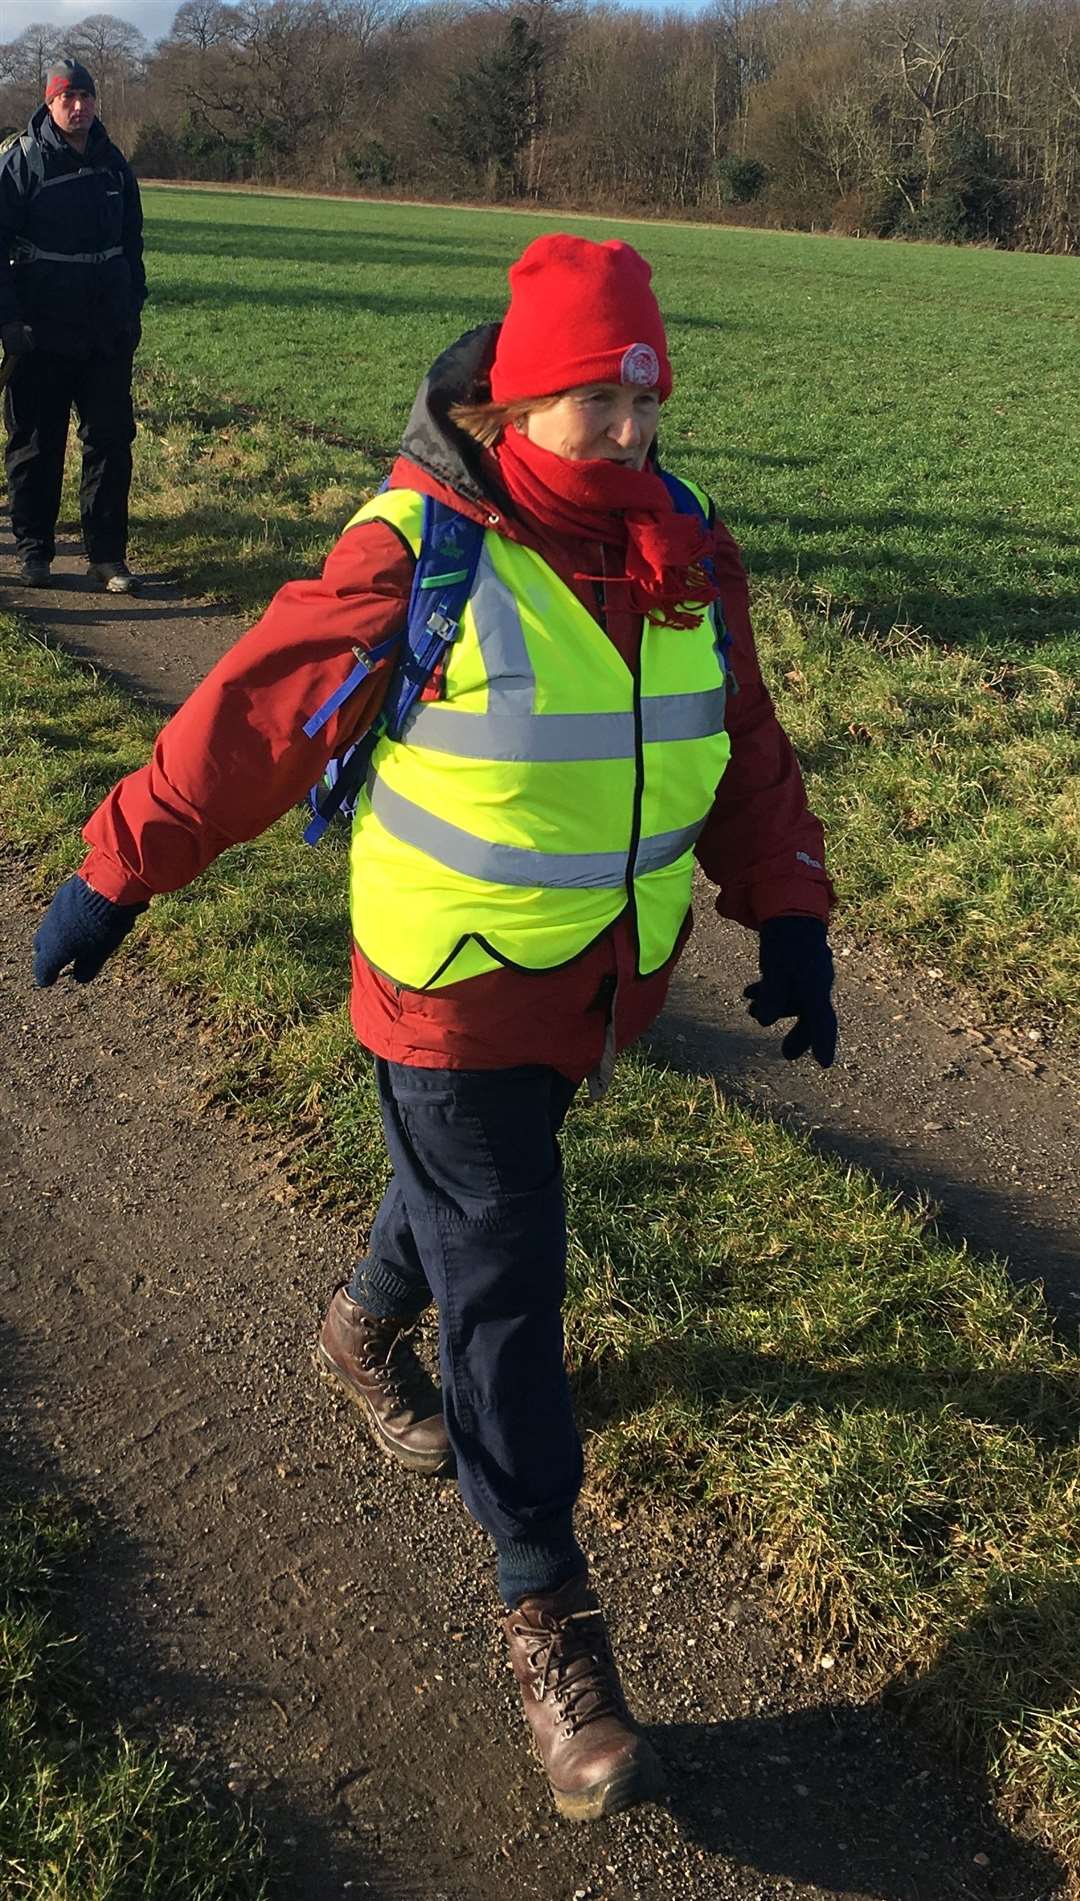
(293, 1616)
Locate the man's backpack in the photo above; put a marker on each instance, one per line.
(32, 153)
(445, 571)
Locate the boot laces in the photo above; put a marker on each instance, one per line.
(572, 1658)
(396, 1372)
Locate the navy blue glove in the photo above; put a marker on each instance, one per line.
(796, 978)
(79, 928)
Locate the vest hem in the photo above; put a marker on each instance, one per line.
(505, 963)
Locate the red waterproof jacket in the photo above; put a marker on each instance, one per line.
(234, 759)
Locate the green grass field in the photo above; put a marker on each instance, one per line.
(890, 430)
(897, 425)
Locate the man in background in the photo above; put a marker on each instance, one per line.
(72, 287)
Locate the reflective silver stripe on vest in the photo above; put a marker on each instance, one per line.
(33, 254)
(682, 716)
(665, 848)
(474, 857)
(522, 737)
(503, 647)
(544, 737)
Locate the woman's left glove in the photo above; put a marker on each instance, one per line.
(80, 928)
(796, 981)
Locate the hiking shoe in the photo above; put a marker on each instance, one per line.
(114, 576)
(596, 1760)
(35, 572)
(374, 1361)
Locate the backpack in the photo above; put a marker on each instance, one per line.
(32, 153)
(450, 547)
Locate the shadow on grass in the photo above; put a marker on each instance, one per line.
(343, 248)
(113, 1675)
(764, 461)
(1036, 1700)
(1046, 1406)
(232, 307)
(892, 586)
(210, 414)
(1041, 1241)
(833, 1797)
(204, 544)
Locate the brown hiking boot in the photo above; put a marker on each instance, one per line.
(595, 1758)
(375, 1362)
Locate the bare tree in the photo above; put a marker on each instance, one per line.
(25, 60)
(930, 57)
(949, 117)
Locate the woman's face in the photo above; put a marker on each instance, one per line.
(600, 422)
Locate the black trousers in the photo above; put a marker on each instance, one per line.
(37, 410)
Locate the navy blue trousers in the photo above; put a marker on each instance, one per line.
(475, 1219)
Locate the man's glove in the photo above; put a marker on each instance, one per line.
(796, 978)
(79, 928)
(16, 337)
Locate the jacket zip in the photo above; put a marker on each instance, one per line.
(599, 1079)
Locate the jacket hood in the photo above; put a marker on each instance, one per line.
(437, 445)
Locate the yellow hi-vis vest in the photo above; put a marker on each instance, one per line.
(548, 790)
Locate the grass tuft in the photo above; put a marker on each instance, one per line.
(85, 1816)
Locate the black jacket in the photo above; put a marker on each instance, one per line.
(70, 241)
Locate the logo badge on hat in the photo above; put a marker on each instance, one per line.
(640, 364)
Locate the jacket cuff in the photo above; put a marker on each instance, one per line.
(111, 880)
(782, 898)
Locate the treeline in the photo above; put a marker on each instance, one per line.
(959, 122)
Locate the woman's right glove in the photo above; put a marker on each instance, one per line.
(80, 928)
(796, 981)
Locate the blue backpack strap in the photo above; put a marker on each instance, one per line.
(683, 498)
(443, 580)
(365, 660)
(687, 503)
(450, 545)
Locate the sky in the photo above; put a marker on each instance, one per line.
(152, 17)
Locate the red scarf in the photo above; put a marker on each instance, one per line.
(627, 509)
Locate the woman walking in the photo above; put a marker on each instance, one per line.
(521, 868)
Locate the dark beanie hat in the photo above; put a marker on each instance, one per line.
(67, 75)
(580, 312)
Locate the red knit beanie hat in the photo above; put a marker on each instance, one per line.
(579, 313)
(68, 75)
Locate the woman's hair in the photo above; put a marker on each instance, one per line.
(485, 422)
